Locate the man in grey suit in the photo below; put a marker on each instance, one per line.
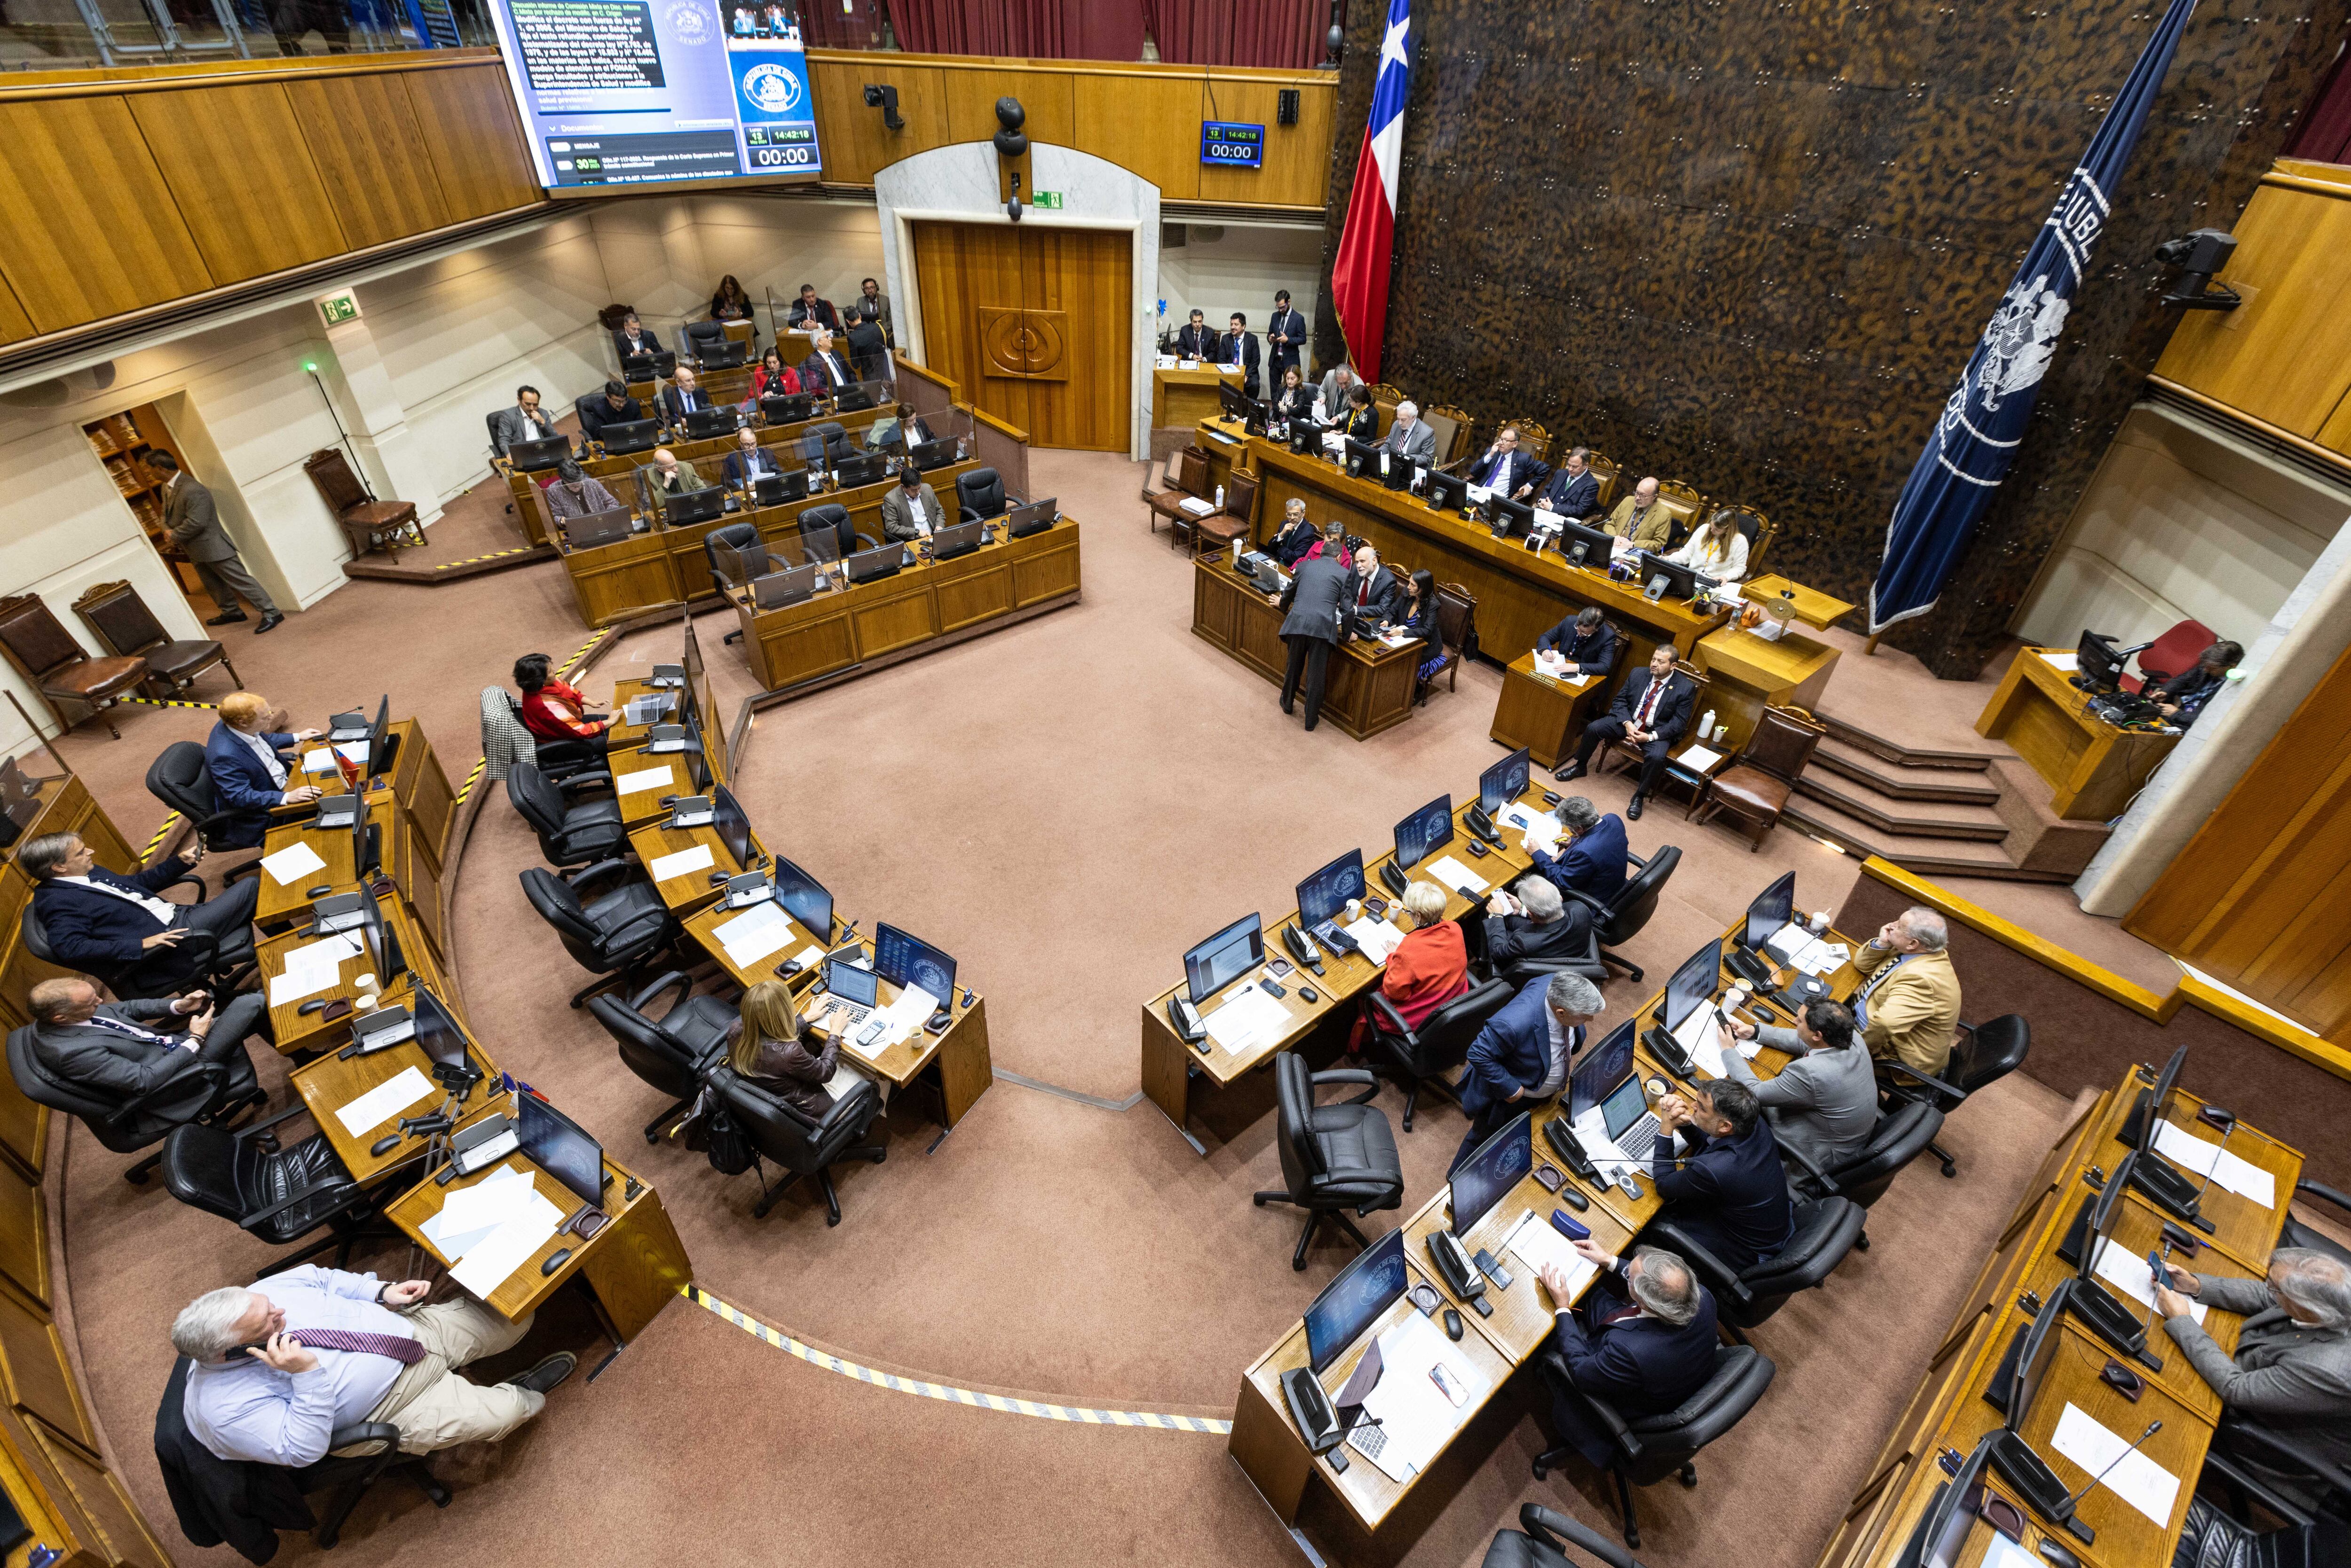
(1316, 623)
(121, 1050)
(1330, 396)
(1823, 1104)
(526, 420)
(195, 527)
(1409, 439)
(910, 509)
(2291, 1371)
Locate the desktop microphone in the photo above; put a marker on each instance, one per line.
(2214, 1169)
(2152, 1428)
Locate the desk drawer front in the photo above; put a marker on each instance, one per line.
(1048, 573)
(811, 648)
(976, 596)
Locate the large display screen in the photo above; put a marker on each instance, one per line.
(632, 93)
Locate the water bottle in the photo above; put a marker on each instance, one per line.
(1220, 497)
(1706, 724)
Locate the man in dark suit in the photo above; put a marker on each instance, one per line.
(613, 406)
(1652, 710)
(1314, 621)
(99, 919)
(525, 422)
(1584, 640)
(1641, 1342)
(194, 522)
(1522, 1054)
(635, 338)
(1371, 591)
(1194, 340)
(1507, 469)
(1295, 537)
(1533, 923)
(1729, 1192)
(748, 461)
(824, 371)
(1285, 336)
(682, 396)
(1574, 490)
(868, 351)
(1238, 348)
(808, 310)
(119, 1050)
(1591, 861)
(249, 774)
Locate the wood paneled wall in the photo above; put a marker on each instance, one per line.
(2256, 899)
(129, 190)
(1751, 246)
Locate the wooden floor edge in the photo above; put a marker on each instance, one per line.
(450, 571)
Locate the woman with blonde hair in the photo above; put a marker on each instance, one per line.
(767, 1047)
(1717, 550)
(250, 776)
(1429, 967)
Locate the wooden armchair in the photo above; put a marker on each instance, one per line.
(1533, 439)
(1237, 521)
(1683, 505)
(1603, 469)
(1457, 635)
(55, 665)
(1451, 427)
(1759, 531)
(1755, 788)
(1187, 480)
(367, 522)
(129, 629)
(1623, 751)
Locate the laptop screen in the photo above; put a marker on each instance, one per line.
(1625, 1105)
(851, 984)
(1604, 1067)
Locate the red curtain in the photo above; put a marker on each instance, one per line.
(1033, 29)
(830, 25)
(1267, 35)
(2326, 130)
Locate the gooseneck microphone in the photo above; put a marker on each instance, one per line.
(2152, 1428)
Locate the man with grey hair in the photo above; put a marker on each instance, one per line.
(1522, 1054)
(1532, 923)
(1823, 1104)
(1409, 439)
(1908, 1004)
(2293, 1365)
(1641, 1340)
(1590, 859)
(276, 1375)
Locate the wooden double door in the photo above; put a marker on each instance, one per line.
(1034, 324)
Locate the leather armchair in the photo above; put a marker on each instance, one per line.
(1421, 1058)
(1540, 1541)
(1620, 919)
(1983, 1053)
(1333, 1157)
(55, 665)
(558, 761)
(1187, 480)
(832, 515)
(1755, 788)
(198, 955)
(669, 1052)
(568, 835)
(189, 1093)
(739, 537)
(275, 1195)
(1827, 1229)
(611, 935)
(1648, 1449)
(2224, 1531)
(980, 494)
(782, 1132)
(2292, 1232)
(1900, 1136)
(182, 779)
(129, 629)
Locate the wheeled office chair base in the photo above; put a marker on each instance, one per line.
(137, 1175)
(1544, 1462)
(736, 636)
(1314, 1218)
(767, 1194)
(653, 1128)
(1950, 1167)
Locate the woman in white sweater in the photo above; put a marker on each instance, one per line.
(1717, 550)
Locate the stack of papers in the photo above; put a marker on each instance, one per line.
(312, 967)
(471, 1215)
(1246, 1020)
(2069, 663)
(1447, 871)
(755, 933)
(2134, 1478)
(1699, 757)
(1538, 1243)
(1697, 1036)
(292, 863)
(1800, 949)
(2196, 1157)
(661, 868)
(1196, 506)
(899, 1019)
(637, 783)
(2127, 1271)
(1418, 1418)
(1541, 830)
(385, 1101)
(1379, 938)
(321, 759)
(1555, 667)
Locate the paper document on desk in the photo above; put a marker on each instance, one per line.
(1447, 871)
(1697, 1036)
(1416, 1416)
(1398, 639)
(1246, 1019)
(311, 968)
(1196, 506)
(292, 863)
(1537, 1242)
(899, 1019)
(2136, 1478)
(2068, 663)
(385, 1101)
(2197, 1155)
(321, 759)
(452, 1241)
(645, 778)
(1379, 938)
(458, 1230)
(1698, 758)
(1539, 831)
(1167, 361)
(2127, 1271)
(489, 1261)
(1825, 959)
(753, 935)
(661, 868)
(1591, 1131)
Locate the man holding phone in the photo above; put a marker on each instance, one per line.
(1642, 1342)
(2291, 1371)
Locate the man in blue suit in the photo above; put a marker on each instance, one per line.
(1522, 1054)
(250, 775)
(1729, 1192)
(1641, 1342)
(1591, 861)
(1584, 640)
(1575, 489)
(1507, 469)
(101, 920)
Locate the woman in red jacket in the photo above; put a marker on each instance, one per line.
(553, 709)
(1429, 967)
(774, 378)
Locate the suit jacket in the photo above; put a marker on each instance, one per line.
(1514, 939)
(1195, 343)
(1289, 545)
(1293, 403)
(879, 305)
(647, 343)
(1673, 713)
(1591, 655)
(1511, 1052)
(1637, 1367)
(1282, 356)
(1823, 1104)
(1524, 470)
(898, 519)
(1731, 1193)
(783, 384)
(816, 373)
(739, 471)
(688, 478)
(111, 1064)
(87, 928)
(595, 414)
(1418, 445)
(802, 312)
(1329, 393)
(676, 404)
(2190, 690)
(1591, 863)
(1240, 348)
(2294, 1380)
(1572, 495)
(1913, 1015)
(242, 785)
(194, 522)
(1650, 531)
(232, 1501)
(1314, 600)
(1371, 608)
(867, 347)
(508, 428)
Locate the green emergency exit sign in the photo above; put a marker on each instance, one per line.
(337, 308)
(1046, 201)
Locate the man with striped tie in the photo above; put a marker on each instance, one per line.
(276, 1374)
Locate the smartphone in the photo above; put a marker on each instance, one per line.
(1448, 1384)
(1277, 967)
(2155, 1266)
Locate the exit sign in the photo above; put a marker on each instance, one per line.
(337, 308)
(1045, 201)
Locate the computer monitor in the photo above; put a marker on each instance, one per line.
(1942, 1531)
(906, 960)
(1485, 1177)
(1681, 582)
(631, 436)
(859, 396)
(2158, 1101)
(930, 455)
(1602, 1069)
(872, 565)
(1363, 458)
(1594, 544)
(1423, 832)
(1231, 402)
(1259, 420)
(661, 363)
(707, 424)
(380, 948)
(1771, 911)
(602, 527)
(775, 489)
(535, 457)
(1322, 896)
(786, 408)
(1354, 1301)
(2036, 1350)
(437, 1033)
(1694, 984)
(955, 541)
(1512, 519)
(803, 897)
(380, 753)
(725, 352)
(561, 1146)
(694, 506)
(1304, 437)
(2098, 1215)
(1223, 958)
(1447, 492)
(782, 589)
(2097, 663)
(1503, 782)
(855, 471)
(733, 828)
(1033, 518)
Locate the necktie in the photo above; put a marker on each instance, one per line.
(1649, 703)
(400, 1347)
(1362, 591)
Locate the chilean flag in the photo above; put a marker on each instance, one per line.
(1359, 276)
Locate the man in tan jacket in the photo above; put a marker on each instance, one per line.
(1908, 1004)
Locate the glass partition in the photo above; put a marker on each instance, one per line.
(73, 35)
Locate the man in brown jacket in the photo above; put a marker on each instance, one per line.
(1908, 1004)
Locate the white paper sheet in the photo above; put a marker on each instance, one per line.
(2136, 1480)
(487, 1265)
(2127, 1271)
(1379, 937)
(1701, 758)
(292, 863)
(489, 1204)
(1825, 959)
(1537, 1242)
(645, 778)
(454, 1243)
(307, 976)
(2069, 663)
(899, 1019)
(1418, 1418)
(385, 1101)
(2197, 1155)
(661, 868)
(1244, 1019)
(1196, 506)
(321, 759)
(1452, 873)
(755, 932)
(1697, 1036)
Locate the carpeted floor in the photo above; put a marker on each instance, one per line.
(1064, 806)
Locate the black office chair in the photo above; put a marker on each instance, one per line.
(198, 958)
(704, 337)
(980, 494)
(1587, 961)
(192, 1091)
(1900, 1136)
(275, 1195)
(834, 437)
(1542, 1539)
(1983, 1052)
(568, 835)
(2224, 1529)
(742, 535)
(2292, 1232)
(1333, 1157)
(669, 1052)
(560, 760)
(782, 1132)
(612, 935)
(1648, 1449)
(817, 520)
(2287, 1461)
(1421, 1058)
(181, 780)
(1620, 919)
(1827, 1229)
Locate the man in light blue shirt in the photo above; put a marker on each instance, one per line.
(276, 1375)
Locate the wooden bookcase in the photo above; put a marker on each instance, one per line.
(121, 441)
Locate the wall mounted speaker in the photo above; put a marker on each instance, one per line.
(1010, 140)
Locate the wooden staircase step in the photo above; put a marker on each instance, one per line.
(1962, 786)
(1926, 856)
(1976, 759)
(1929, 820)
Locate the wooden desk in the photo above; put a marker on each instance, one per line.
(2242, 1228)
(1369, 687)
(297, 1030)
(1813, 608)
(329, 1084)
(715, 449)
(288, 904)
(965, 1069)
(2093, 768)
(1545, 713)
(702, 927)
(1747, 673)
(642, 806)
(692, 889)
(1185, 396)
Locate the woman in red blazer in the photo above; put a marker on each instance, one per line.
(1429, 967)
(774, 378)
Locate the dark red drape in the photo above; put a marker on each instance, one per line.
(1270, 35)
(830, 24)
(1034, 29)
(2325, 134)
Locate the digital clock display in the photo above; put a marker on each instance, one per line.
(1230, 145)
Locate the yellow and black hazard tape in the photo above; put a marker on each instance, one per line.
(158, 702)
(1157, 1420)
(581, 652)
(157, 841)
(471, 779)
(477, 559)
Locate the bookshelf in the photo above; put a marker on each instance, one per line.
(120, 441)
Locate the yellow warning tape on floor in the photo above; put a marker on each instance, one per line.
(477, 560)
(471, 779)
(157, 841)
(1153, 1419)
(582, 651)
(157, 701)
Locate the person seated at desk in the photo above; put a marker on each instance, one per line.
(1295, 537)
(509, 427)
(671, 477)
(1908, 1006)
(99, 919)
(1573, 490)
(2183, 697)
(1408, 438)
(1193, 339)
(613, 406)
(1652, 710)
(249, 775)
(1639, 520)
(1823, 1104)
(1522, 1054)
(1532, 923)
(1590, 859)
(1372, 590)
(749, 461)
(121, 1050)
(1293, 401)
(276, 1375)
(1717, 550)
(682, 396)
(774, 378)
(729, 303)
(824, 371)
(910, 509)
(769, 1048)
(635, 338)
(574, 494)
(553, 709)
(1429, 967)
(1584, 639)
(2291, 1372)
(1332, 544)
(1413, 609)
(1507, 469)
(1727, 1191)
(1237, 347)
(1640, 1342)
(1362, 420)
(807, 310)
(869, 353)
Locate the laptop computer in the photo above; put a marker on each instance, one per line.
(1605, 1100)
(852, 991)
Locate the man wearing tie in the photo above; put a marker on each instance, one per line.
(1584, 640)
(1285, 335)
(1506, 470)
(824, 371)
(749, 461)
(1575, 489)
(1194, 340)
(1652, 711)
(522, 422)
(1410, 440)
(1330, 396)
(1371, 593)
(1520, 1058)
(808, 310)
(1238, 348)
(683, 397)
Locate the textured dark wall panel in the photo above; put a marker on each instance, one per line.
(1751, 245)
